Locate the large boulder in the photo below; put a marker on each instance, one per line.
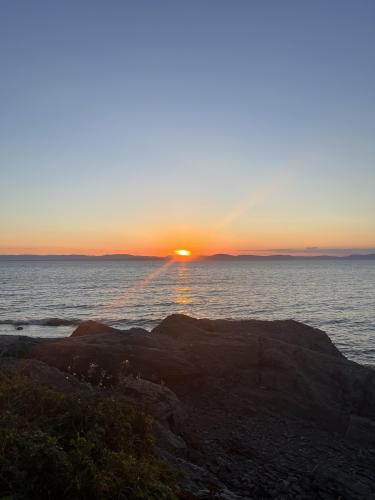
(48, 376)
(289, 331)
(92, 328)
(17, 346)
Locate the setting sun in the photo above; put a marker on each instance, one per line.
(183, 253)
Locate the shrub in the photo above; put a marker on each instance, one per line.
(75, 446)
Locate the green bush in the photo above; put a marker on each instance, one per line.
(75, 446)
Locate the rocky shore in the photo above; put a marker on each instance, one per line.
(241, 409)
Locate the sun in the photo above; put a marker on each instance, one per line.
(183, 253)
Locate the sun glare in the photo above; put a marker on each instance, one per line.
(183, 253)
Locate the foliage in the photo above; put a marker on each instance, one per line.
(75, 446)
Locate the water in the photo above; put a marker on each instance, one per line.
(336, 296)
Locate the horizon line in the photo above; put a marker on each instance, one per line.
(193, 257)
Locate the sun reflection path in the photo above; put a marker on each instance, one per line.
(139, 285)
(182, 289)
(183, 295)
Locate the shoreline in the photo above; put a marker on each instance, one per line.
(56, 328)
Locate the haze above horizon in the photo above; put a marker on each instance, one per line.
(219, 127)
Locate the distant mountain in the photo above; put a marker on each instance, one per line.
(125, 257)
(215, 257)
(360, 257)
(227, 257)
(223, 256)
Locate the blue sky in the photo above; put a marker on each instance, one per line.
(223, 125)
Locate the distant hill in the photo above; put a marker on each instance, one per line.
(360, 257)
(125, 257)
(229, 257)
(215, 257)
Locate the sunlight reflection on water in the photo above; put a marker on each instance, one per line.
(337, 296)
(183, 291)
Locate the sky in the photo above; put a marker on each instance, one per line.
(218, 126)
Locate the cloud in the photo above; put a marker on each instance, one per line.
(312, 250)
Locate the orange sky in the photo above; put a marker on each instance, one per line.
(270, 214)
(197, 240)
(238, 129)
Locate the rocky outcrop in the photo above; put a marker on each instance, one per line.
(47, 375)
(92, 327)
(245, 409)
(17, 346)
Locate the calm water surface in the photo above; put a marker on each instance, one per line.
(336, 296)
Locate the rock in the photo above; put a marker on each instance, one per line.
(281, 366)
(361, 430)
(198, 483)
(238, 406)
(290, 331)
(155, 399)
(17, 346)
(46, 375)
(165, 439)
(92, 328)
